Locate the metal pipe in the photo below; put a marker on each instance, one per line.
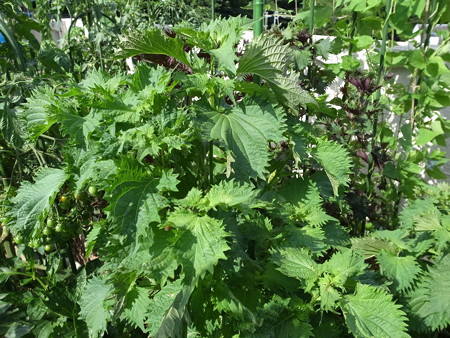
(213, 9)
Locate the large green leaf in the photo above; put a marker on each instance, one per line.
(402, 270)
(306, 200)
(75, 126)
(370, 312)
(336, 162)
(297, 263)
(36, 116)
(200, 243)
(134, 204)
(226, 56)
(167, 312)
(246, 131)
(344, 265)
(136, 306)
(154, 42)
(267, 58)
(225, 300)
(10, 125)
(230, 194)
(288, 91)
(161, 303)
(33, 201)
(94, 304)
(432, 301)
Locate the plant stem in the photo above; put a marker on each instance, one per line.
(73, 266)
(352, 32)
(211, 163)
(371, 167)
(312, 5)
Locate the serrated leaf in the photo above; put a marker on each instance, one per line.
(336, 162)
(329, 295)
(264, 57)
(288, 91)
(36, 115)
(323, 48)
(225, 300)
(302, 58)
(344, 265)
(154, 42)
(306, 200)
(422, 215)
(94, 305)
(370, 312)
(370, 246)
(91, 169)
(267, 58)
(297, 263)
(230, 194)
(10, 125)
(75, 126)
(91, 239)
(99, 81)
(226, 56)
(308, 237)
(200, 243)
(161, 303)
(402, 270)
(172, 323)
(246, 130)
(33, 201)
(134, 204)
(432, 303)
(136, 305)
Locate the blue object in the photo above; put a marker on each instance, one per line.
(2, 38)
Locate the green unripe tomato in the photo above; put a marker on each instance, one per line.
(47, 231)
(48, 247)
(64, 205)
(34, 243)
(93, 191)
(58, 228)
(50, 222)
(80, 196)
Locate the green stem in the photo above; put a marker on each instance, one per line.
(258, 7)
(73, 266)
(352, 31)
(7, 33)
(312, 7)
(211, 162)
(381, 71)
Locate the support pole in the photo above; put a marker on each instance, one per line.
(258, 8)
(213, 9)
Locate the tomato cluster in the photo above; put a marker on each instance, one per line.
(73, 214)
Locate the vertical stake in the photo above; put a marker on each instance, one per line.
(258, 7)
